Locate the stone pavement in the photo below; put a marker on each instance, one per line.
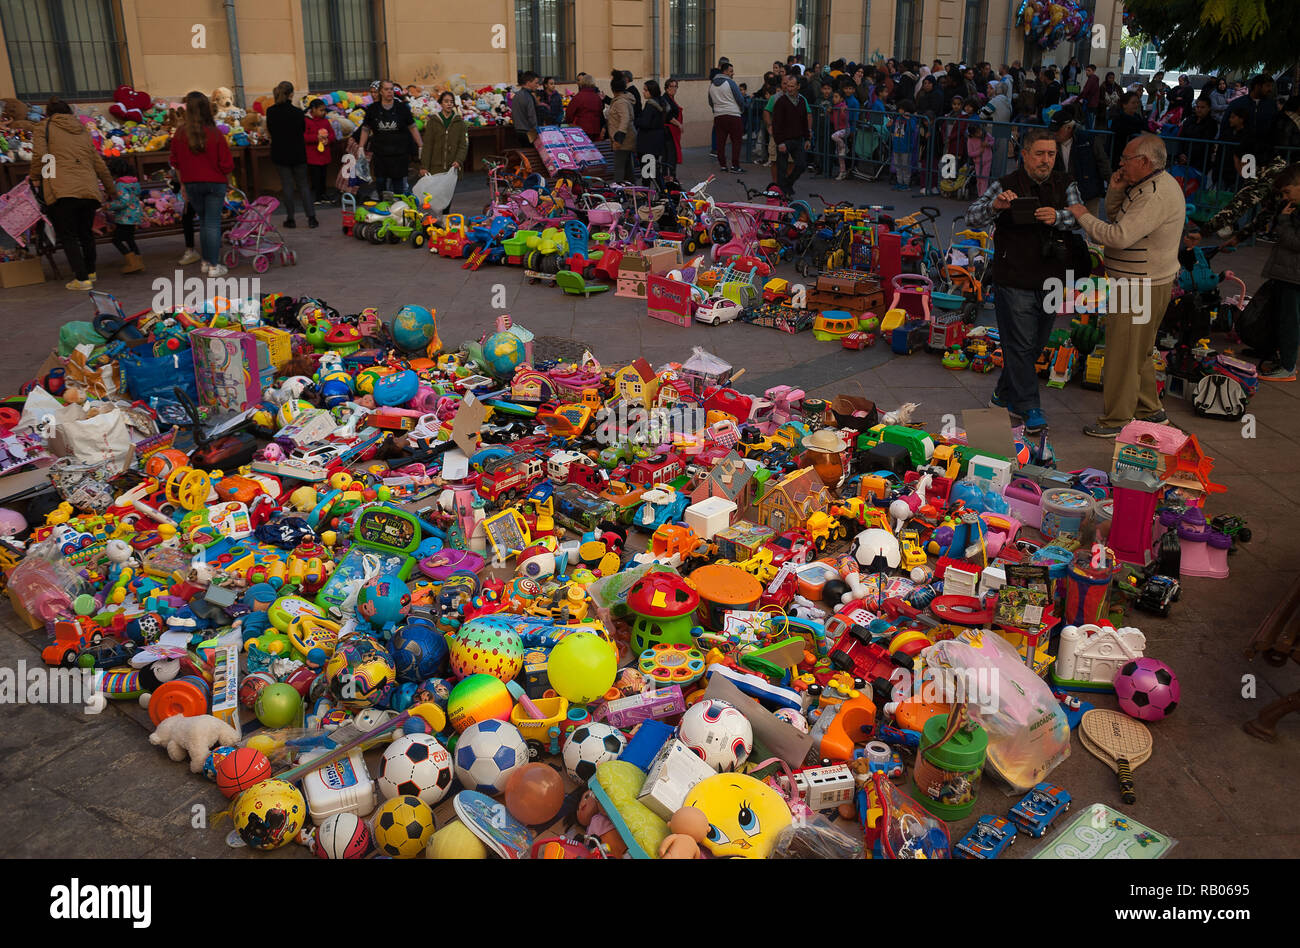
(79, 785)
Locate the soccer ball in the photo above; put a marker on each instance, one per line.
(419, 651)
(342, 836)
(488, 753)
(589, 745)
(1147, 689)
(403, 826)
(416, 765)
(718, 733)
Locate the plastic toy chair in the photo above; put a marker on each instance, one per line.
(573, 284)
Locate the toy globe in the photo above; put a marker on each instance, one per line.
(486, 647)
(478, 698)
(662, 605)
(503, 352)
(270, 814)
(415, 327)
(383, 603)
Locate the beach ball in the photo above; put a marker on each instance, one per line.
(486, 648)
(478, 698)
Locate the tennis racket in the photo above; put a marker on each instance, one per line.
(1122, 743)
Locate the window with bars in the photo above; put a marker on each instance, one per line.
(69, 48)
(544, 38)
(815, 18)
(974, 27)
(342, 45)
(907, 30)
(690, 48)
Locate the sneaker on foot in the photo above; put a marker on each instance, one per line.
(1035, 421)
(1278, 374)
(92, 277)
(1102, 431)
(75, 284)
(188, 257)
(204, 267)
(217, 271)
(1156, 417)
(290, 222)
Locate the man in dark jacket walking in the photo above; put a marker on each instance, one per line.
(791, 128)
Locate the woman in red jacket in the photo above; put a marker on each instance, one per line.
(585, 108)
(200, 155)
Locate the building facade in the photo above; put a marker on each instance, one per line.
(85, 50)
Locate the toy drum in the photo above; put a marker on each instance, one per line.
(1065, 511)
(947, 773)
(187, 696)
(722, 588)
(1087, 589)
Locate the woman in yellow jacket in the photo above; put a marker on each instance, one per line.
(446, 140)
(71, 170)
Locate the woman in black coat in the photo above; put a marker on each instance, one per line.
(651, 133)
(286, 124)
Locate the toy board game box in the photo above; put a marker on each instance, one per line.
(232, 368)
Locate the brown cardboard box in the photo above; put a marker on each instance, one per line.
(663, 259)
(24, 272)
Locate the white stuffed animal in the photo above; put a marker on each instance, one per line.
(195, 736)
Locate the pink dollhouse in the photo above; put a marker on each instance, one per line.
(1173, 456)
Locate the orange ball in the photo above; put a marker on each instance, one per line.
(534, 794)
(241, 769)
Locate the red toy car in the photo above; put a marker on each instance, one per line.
(858, 339)
(71, 636)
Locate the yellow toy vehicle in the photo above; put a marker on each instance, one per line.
(544, 733)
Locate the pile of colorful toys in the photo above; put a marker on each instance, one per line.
(402, 598)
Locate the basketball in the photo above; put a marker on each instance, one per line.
(241, 769)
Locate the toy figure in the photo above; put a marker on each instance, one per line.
(689, 827)
(599, 829)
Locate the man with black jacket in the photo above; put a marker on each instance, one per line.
(791, 129)
(1029, 261)
(1082, 156)
(389, 129)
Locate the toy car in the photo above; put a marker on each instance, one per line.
(858, 340)
(71, 637)
(717, 311)
(1156, 595)
(987, 839)
(1039, 808)
(659, 506)
(1234, 527)
(909, 542)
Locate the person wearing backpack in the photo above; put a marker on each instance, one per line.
(1283, 266)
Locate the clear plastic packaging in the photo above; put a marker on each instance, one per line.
(816, 838)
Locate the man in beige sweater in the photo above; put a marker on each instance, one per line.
(1146, 212)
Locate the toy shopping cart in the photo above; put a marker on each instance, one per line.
(255, 235)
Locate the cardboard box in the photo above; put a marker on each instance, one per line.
(669, 300)
(278, 342)
(23, 272)
(672, 775)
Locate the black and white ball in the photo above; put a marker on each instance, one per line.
(416, 765)
(589, 745)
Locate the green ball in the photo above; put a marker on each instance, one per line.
(278, 705)
(582, 667)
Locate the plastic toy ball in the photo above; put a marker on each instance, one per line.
(242, 768)
(342, 836)
(582, 667)
(534, 794)
(1147, 689)
(478, 698)
(455, 841)
(277, 705)
(383, 603)
(270, 814)
(402, 827)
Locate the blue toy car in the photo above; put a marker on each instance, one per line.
(1039, 809)
(987, 839)
(660, 507)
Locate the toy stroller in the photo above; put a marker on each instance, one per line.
(255, 235)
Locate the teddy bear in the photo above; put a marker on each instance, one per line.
(195, 736)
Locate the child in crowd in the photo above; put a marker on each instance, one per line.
(840, 130)
(319, 133)
(979, 146)
(904, 144)
(126, 211)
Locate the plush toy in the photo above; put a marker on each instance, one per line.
(222, 99)
(129, 104)
(195, 736)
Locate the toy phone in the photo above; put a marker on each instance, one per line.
(390, 535)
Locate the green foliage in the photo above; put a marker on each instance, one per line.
(1238, 35)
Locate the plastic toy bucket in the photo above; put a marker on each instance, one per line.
(946, 777)
(948, 301)
(1087, 590)
(1065, 511)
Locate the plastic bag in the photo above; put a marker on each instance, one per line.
(438, 188)
(149, 376)
(101, 439)
(1028, 732)
(897, 827)
(816, 838)
(79, 333)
